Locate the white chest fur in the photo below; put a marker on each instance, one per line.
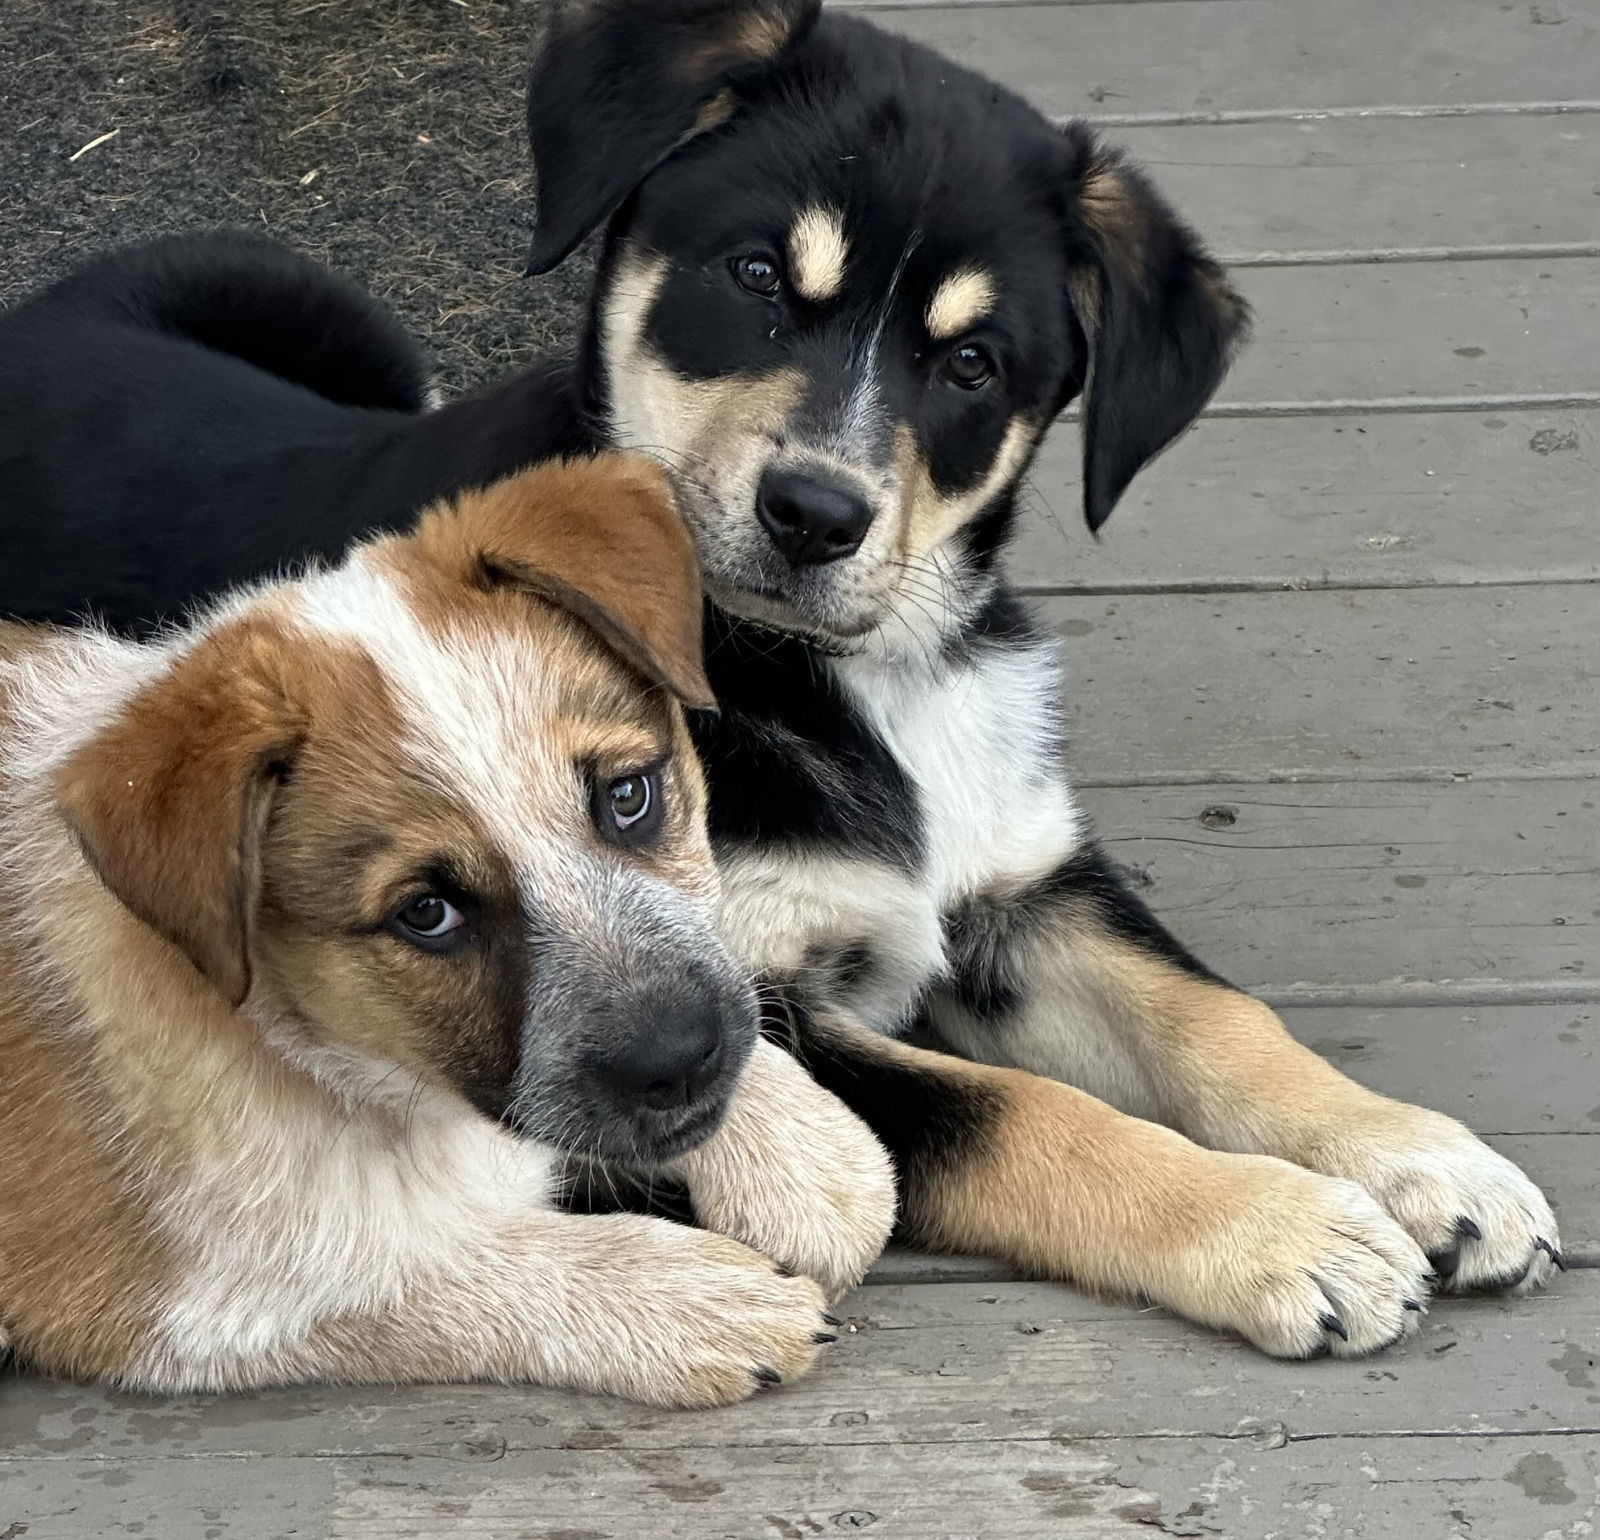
(979, 743)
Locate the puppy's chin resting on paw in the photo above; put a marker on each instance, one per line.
(331, 923)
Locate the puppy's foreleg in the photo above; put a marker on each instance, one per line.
(622, 1304)
(1077, 980)
(795, 1174)
(1010, 1165)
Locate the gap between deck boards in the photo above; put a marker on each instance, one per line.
(1200, 118)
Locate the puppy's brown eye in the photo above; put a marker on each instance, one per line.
(630, 799)
(970, 365)
(627, 811)
(758, 273)
(429, 921)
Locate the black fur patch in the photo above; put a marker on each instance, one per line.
(1086, 893)
(203, 411)
(790, 760)
(930, 1119)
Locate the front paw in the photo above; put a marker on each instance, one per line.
(1484, 1225)
(823, 1209)
(713, 1325)
(796, 1175)
(1298, 1264)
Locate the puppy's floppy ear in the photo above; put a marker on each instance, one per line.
(603, 539)
(170, 799)
(1161, 320)
(619, 84)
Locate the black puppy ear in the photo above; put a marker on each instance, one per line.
(1161, 319)
(619, 84)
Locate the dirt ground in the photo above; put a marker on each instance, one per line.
(382, 136)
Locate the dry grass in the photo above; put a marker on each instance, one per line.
(382, 136)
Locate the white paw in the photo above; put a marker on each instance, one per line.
(795, 1174)
(718, 1330)
(1484, 1225)
(1299, 1264)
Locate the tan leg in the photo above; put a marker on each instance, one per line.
(1008, 1164)
(1096, 994)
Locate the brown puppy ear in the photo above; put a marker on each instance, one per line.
(169, 800)
(1161, 320)
(619, 84)
(603, 539)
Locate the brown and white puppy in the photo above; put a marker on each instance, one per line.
(331, 924)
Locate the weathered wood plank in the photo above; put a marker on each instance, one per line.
(159, 1495)
(1120, 59)
(950, 1363)
(1254, 1487)
(1266, 190)
(1313, 888)
(1242, 686)
(1503, 1070)
(1418, 329)
(1360, 501)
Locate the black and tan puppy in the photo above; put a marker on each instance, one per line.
(843, 310)
(846, 288)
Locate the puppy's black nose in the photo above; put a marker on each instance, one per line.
(811, 518)
(672, 1060)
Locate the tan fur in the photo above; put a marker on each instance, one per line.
(750, 38)
(929, 517)
(1233, 1077)
(712, 115)
(170, 801)
(818, 254)
(621, 562)
(959, 303)
(707, 416)
(1067, 1187)
(234, 1144)
(1220, 1067)
(1116, 215)
(16, 639)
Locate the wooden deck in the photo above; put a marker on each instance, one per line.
(1337, 697)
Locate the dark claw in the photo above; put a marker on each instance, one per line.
(832, 1320)
(1432, 1280)
(1331, 1322)
(1411, 1304)
(767, 1376)
(1468, 1227)
(819, 1337)
(1550, 1251)
(783, 1272)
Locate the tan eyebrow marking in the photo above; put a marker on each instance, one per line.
(817, 254)
(961, 300)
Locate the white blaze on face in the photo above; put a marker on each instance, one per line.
(477, 706)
